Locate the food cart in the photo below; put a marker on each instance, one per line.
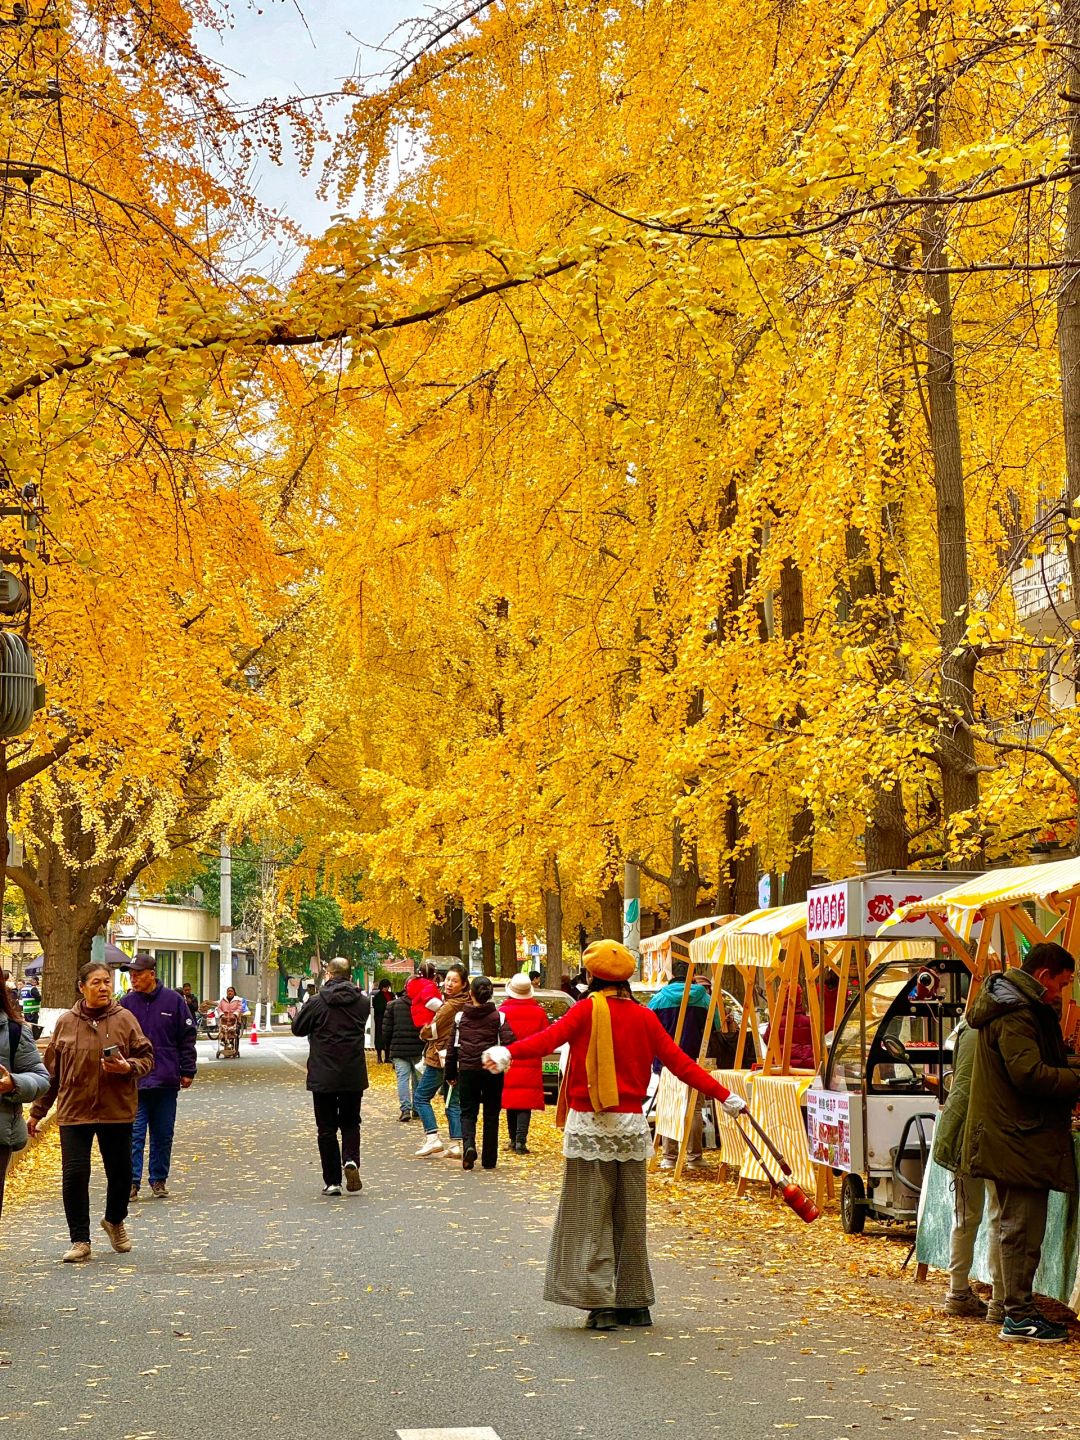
(872, 1117)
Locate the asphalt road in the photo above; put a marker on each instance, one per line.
(250, 1302)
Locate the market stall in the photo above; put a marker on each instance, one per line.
(659, 953)
(770, 944)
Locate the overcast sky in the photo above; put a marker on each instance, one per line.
(274, 50)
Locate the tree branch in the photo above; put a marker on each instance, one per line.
(665, 880)
(20, 774)
(279, 336)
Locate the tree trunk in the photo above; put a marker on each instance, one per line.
(553, 938)
(440, 932)
(65, 947)
(956, 747)
(801, 832)
(487, 940)
(886, 845)
(508, 961)
(611, 912)
(801, 866)
(684, 877)
(1068, 305)
(466, 940)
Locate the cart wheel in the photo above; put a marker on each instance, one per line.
(852, 1208)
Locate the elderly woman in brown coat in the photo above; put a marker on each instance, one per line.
(95, 1059)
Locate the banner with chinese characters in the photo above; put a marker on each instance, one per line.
(828, 1126)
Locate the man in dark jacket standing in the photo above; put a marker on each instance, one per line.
(379, 1001)
(166, 1021)
(1018, 1132)
(335, 1021)
(401, 1041)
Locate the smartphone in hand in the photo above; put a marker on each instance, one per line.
(110, 1052)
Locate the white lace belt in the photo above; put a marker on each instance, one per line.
(611, 1135)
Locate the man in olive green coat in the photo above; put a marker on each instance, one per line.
(1018, 1133)
(972, 1194)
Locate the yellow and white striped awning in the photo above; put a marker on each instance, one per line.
(755, 939)
(995, 890)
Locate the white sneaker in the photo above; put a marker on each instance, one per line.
(453, 1152)
(431, 1146)
(352, 1176)
(668, 1164)
(331, 1189)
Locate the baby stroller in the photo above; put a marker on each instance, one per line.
(228, 1045)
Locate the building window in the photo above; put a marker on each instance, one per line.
(166, 964)
(251, 964)
(192, 971)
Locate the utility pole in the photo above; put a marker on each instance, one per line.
(266, 942)
(631, 929)
(225, 974)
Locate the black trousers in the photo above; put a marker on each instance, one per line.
(339, 1111)
(5, 1156)
(76, 1144)
(476, 1088)
(517, 1126)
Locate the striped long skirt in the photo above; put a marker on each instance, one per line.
(599, 1258)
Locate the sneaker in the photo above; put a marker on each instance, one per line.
(431, 1146)
(133, 1197)
(602, 1320)
(1035, 1328)
(119, 1239)
(636, 1317)
(159, 1190)
(405, 1118)
(995, 1314)
(968, 1305)
(331, 1189)
(352, 1176)
(453, 1150)
(668, 1164)
(468, 1159)
(698, 1163)
(523, 1150)
(79, 1252)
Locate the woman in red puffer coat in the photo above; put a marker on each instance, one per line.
(523, 1088)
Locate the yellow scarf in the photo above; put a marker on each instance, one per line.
(600, 1064)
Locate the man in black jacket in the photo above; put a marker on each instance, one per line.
(335, 1021)
(401, 1041)
(1018, 1131)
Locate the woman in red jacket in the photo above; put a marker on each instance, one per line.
(523, 1089)
(599, 1260)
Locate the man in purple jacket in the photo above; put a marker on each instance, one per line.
(167, 1023)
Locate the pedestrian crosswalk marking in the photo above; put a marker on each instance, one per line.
(449, 1432)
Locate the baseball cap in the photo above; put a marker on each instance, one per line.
(141, 962)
